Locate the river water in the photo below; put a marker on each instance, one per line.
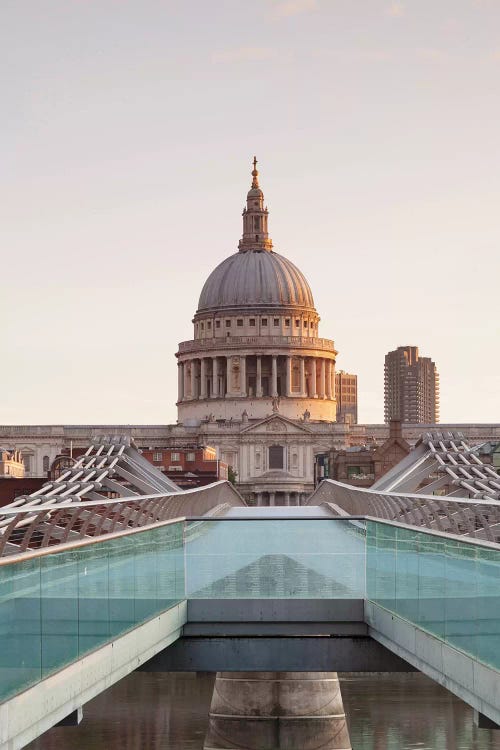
(169, 712)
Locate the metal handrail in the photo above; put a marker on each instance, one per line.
(412, 496)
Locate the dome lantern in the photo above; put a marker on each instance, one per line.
(255, 219)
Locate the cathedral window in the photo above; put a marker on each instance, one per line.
(228, 324)
(276, 457)
(297, 323)
(276, 321)
(209, 325)
(264, 321)
(287, 322)
(217, 323)
(251, 322)
(239, 322)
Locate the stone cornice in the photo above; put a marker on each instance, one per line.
(253, 344)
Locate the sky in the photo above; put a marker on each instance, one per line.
(127, 132)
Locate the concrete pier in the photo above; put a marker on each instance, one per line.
(277, 711)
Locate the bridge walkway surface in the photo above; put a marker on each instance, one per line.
(245, 592)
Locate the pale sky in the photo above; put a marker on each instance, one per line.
(127, 133)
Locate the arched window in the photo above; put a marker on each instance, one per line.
(276, 457)
(46, 463)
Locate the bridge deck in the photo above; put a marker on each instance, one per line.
(282, 593)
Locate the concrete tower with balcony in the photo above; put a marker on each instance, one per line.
(256, 348)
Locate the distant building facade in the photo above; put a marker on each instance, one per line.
(346, 393)
(11, 464)
(188, 466)
(411, 387)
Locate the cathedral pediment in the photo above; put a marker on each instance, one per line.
(277, 423)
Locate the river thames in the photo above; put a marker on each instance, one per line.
(169, 712)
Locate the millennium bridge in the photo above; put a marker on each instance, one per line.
(111, 568)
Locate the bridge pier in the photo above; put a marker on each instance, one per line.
(277, 710)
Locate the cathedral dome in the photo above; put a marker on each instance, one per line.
(255, 278)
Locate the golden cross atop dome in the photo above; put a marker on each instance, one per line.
(255, 174)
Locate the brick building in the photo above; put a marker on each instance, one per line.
(361, 466)
(188, 466)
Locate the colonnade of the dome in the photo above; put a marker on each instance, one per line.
(256, 376)
(257, 384)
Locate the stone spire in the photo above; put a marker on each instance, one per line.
(255, 216)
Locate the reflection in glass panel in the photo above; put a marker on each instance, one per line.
(59, 610)
(121, 560)
(444, 585)
(488, 606)
(58, 607)
(20, 638)
(407, 551)
(275, 559)
(461, 595)
(93, 597)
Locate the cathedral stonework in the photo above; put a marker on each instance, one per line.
(256, 346)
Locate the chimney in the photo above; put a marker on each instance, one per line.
(395, 429)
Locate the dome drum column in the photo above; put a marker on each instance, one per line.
(259, 391)
(329, 379)
(313, 392)
(215, 378)
(228, 376)
(274, 376)
(303, 391)
(180, 381)
(186, 381)
(193, 379)
(203, 378)
(289, 384)
(243, 375)
(322, 379)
